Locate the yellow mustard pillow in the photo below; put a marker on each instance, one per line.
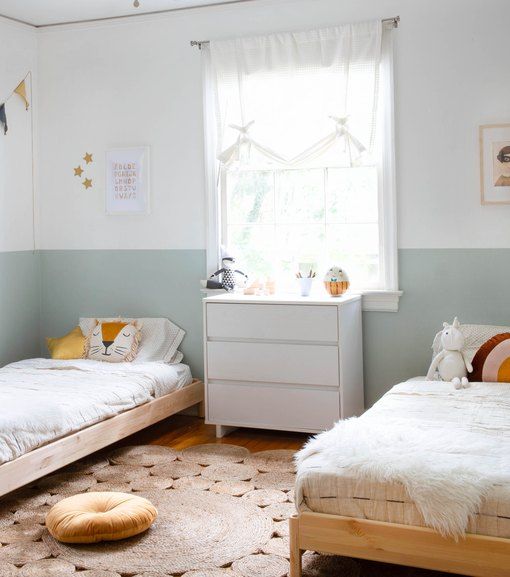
(101, 516)
(70, 346)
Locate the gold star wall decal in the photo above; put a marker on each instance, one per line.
(78, 171)
(88, 157)
(87, 183)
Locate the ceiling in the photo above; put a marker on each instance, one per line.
(48, 12)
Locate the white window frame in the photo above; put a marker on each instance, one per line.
(386, 300)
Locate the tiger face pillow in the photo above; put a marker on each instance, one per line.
(113, 342)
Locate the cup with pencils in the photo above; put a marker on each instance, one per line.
(305, 282)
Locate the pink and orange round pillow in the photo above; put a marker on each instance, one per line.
(491, 363)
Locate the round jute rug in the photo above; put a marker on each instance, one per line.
(143, 455)
(194, 530)
(223, 512)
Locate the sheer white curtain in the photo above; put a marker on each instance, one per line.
(297, 97)
(299, 148)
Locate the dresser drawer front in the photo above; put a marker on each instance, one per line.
(273, 363)
(275, 407)
(310, 323)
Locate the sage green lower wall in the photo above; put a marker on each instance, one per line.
(437, 284)
(19, 305)
(133, 283)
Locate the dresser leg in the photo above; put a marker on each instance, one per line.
(223, 430)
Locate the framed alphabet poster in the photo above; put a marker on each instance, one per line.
(495, 163)
(127, 181)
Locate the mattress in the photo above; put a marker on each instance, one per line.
(324, 488)
(43, 399)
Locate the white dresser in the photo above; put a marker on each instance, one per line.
(292, 364)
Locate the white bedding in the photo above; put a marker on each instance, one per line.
(43, 399)
(449, 449)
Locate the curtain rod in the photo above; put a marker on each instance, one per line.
(391, 22)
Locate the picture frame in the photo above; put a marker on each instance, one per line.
(127, 181)
(495, 163)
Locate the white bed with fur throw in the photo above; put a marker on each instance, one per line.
(422, 478)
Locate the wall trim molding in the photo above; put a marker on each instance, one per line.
(16, 22)
(126, 18)
(381, 301)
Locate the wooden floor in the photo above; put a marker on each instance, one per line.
(181, 431)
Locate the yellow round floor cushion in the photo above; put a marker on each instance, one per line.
(70, 346)
(94, 517)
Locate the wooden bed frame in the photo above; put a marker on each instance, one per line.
(65, 450)
(476, 555)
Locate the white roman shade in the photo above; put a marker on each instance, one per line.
(258, 87)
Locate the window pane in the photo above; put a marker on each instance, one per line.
(323, 217)
(253, 246)
(300, 196)
(299, 245)
(250, 197)
(355, 247)
(352, 195)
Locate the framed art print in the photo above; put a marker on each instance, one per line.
(495, 163)
(127, 181)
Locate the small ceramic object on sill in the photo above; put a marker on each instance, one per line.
(270, 286)
(336, 281)
(305, 283)
(261, 287)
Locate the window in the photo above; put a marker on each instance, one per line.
(280, 221)
(301, 127)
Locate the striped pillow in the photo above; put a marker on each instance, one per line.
(491, 363)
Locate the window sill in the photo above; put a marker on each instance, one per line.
(381, 301)
(373, 301)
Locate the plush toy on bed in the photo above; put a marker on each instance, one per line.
(451, 363)
(113, 342)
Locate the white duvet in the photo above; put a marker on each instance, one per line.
(43, 399)
(447, 447)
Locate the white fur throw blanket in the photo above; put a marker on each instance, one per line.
(447, 447)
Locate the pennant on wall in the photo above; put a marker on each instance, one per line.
(22, 92)
(3, 118)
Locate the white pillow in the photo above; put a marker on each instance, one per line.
(159, 341)
(474, 337)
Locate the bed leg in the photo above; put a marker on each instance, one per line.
(295, 551)
(201, 409)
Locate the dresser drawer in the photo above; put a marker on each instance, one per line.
(317, 323)
(273, 363)
(272, 407)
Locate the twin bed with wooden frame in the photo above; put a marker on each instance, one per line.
(476, 555)
(346, 509)
(28, 457)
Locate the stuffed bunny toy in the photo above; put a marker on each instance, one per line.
(451, 363)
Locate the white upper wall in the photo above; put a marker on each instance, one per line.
(138, 82)
(18, 44)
